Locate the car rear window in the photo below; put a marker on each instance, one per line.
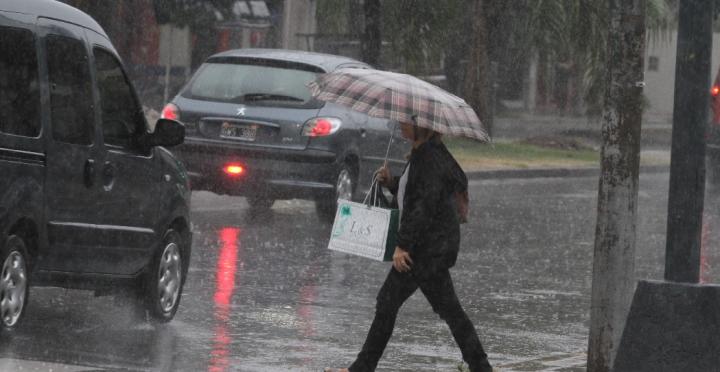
(253, 82)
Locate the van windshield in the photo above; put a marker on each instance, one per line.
(255, 83)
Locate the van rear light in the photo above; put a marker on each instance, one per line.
(170, 111)
(234, 169)
(715, 90)
(320, 127)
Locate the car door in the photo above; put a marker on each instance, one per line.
(73, 152)
(130, 175)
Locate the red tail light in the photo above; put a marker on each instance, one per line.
(715, 90)
(319, 127)
(171, 112)
(234, 169)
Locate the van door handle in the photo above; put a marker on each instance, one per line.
(89, 173)
(108, 175)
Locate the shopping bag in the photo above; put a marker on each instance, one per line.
(364, 230)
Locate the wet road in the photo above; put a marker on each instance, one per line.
(266, 295)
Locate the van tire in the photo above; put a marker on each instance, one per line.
(163, 281)
(14, 285)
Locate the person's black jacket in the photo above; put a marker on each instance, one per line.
(429, 225)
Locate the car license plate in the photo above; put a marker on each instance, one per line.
(240, 132)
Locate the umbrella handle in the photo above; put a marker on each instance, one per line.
(392, 134)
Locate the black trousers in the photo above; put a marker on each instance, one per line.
(439, 290)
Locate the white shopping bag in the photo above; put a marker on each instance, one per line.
(364, 230)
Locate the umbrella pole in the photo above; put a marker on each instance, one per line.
(392, 134)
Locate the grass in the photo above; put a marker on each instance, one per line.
(474, 156)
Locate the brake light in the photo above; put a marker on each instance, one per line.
(320, 127)
(234, 169)
(715, 90)
(170, 111)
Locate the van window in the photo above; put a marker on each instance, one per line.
(120, 112)
(19, 88)
(70, 90)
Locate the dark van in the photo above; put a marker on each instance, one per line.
(88, 197)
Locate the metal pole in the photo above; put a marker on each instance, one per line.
(168, 65)
(615, 235)
(687, 163)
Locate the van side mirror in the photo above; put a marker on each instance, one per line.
(167, 133)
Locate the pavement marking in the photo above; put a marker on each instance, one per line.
(555, 362)
(10, 364)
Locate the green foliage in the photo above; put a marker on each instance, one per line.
(333, 16)
(576, 32)
(421, 30)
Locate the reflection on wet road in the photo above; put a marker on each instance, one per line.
(266, 295)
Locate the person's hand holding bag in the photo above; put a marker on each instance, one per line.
(401, 260)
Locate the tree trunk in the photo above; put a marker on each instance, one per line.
(477, 83)
(371, 39)
(615, 235)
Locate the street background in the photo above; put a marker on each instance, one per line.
(267, 295)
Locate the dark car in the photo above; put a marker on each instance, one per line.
(87, 198)
(254, 130)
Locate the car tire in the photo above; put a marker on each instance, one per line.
(712, 168)
(259, 205)
(14, 286)
(345, 185)
(163, 280)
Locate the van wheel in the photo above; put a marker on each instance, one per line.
(13, 282)
(344, 189)
(163, 282)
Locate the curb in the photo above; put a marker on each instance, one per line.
(553, 172)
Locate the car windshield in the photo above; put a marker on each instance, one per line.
(251, 84)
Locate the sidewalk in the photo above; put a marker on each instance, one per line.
(655, 134)
(654, 152)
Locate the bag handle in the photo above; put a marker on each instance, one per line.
(371, 198)
(375, 186)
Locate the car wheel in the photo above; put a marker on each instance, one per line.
(259, 204)
(345, 184)
(13, 282)
(163, 282)
(712, 173)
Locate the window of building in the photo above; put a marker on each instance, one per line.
(653, 63)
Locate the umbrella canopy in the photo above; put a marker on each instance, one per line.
(399, 97)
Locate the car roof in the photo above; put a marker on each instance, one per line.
(327, 62)
(54, 10)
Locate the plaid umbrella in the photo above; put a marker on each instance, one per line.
(399, 97)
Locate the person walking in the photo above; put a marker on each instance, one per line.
(429, 197)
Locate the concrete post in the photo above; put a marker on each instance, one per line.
(613, 264)
(687, 164)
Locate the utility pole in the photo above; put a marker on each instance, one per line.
(615, 235)
(477, 83)
(687, 163)
(371, 38)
